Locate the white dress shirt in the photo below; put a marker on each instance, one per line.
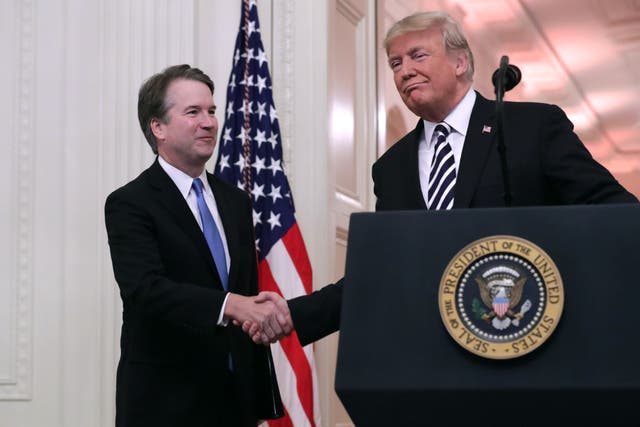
(458, 120)
(184, 183)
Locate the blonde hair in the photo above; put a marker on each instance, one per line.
(451, 30)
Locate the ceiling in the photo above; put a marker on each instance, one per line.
(583, 55)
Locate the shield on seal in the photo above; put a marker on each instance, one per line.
(500, 306)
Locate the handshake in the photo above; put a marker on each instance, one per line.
(264, 317)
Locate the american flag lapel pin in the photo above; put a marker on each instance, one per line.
(486, 129)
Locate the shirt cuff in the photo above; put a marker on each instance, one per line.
(221, 319)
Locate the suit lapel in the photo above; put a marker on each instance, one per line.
(476, 149)
(172, 199)
(415, 190)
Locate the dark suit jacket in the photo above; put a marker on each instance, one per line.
(548, 165)
(173, 368)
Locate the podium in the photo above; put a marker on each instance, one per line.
(398, 366)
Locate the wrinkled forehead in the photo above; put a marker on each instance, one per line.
(187, 91)
(408, 41)
(432, 33)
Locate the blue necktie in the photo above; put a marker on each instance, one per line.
(442, 178)
(212, 235)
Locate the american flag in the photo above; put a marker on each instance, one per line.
(250, 156)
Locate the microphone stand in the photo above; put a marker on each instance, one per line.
(502, 149)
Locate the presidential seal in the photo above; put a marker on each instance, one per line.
(501, 297)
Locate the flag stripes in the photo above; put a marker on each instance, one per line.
(250, 157)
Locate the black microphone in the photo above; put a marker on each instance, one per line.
(512, 75)
(504, 79)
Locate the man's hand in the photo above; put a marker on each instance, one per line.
(260, 335)
(267, 314)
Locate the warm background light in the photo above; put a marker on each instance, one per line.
(581, 55)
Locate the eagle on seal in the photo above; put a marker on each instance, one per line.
(501, 291)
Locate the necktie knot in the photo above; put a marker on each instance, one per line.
(197, 186)
(442, 131)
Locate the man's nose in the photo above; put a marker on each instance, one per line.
(208, 120)
(407, 71)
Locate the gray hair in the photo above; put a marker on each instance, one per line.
(452, 33)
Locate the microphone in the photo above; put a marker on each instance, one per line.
(504, 79)
(512, 74)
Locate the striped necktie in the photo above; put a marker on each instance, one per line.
(212, 235)
(442, 177)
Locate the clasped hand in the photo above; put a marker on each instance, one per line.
(264, 317)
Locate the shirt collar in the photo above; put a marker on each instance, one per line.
(458, 118)
(181, 179)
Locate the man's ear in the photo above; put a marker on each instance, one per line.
(157, 127)
(462, 63)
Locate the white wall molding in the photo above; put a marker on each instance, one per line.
(17, 385)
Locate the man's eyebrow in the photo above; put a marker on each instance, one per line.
(409, 51)
(414, 49)
(393, 57)
(198, 107)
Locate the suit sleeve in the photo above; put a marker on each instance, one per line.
(378, 189)
(145, 285)
(571, 173)
(318, 314)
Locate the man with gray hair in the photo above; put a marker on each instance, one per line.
(450, 160)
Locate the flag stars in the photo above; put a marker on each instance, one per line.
(275, 193)
(258, 165)
(251, 28)
(241, 164)
(242, 136)
(273, 140)
(261, 58)
(246, 81)
(245, 107)
(256, 217)
(275, 166)
(255, 145)
(227, 136)
(230, 109)
(274, 220)
(224, 163)
(262, 108)
(261, 84)
(248, 55)
(258, 191)
(260, 138)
